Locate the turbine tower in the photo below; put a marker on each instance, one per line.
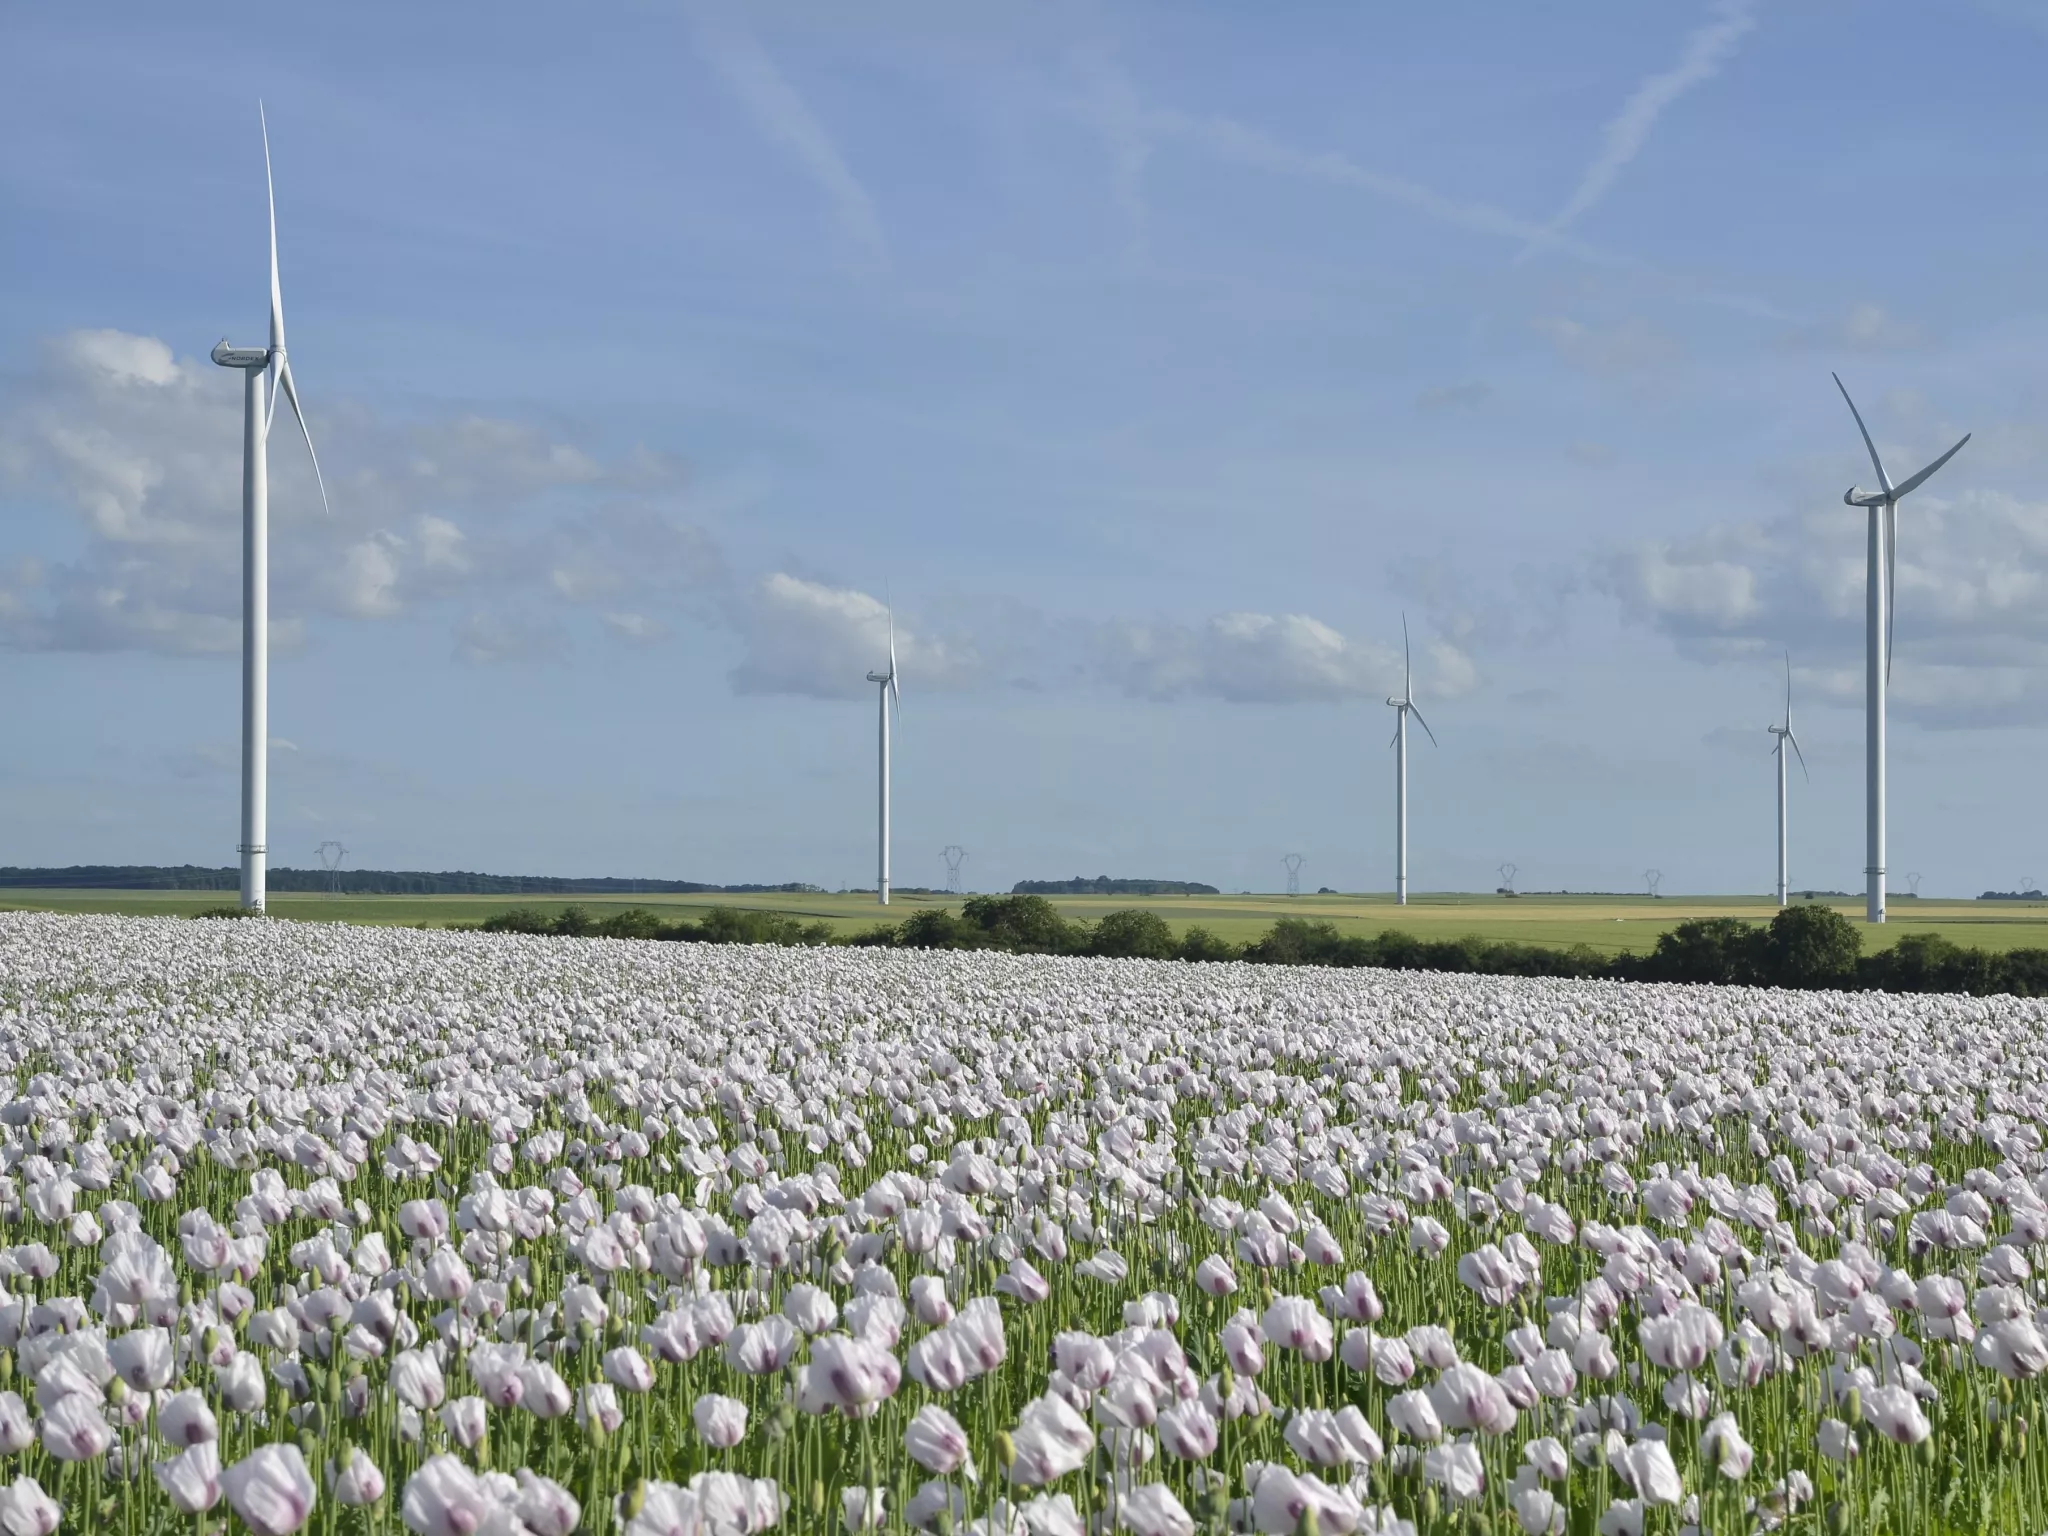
(889, 691)
(1403, 707)
(1883, 505)
(1784, 735)
(265, 371)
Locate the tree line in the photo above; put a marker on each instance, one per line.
(1805, 946)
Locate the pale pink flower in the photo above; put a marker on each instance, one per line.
(272, 1490)
(191, 1479)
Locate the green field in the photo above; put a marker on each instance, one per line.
(1608, 923)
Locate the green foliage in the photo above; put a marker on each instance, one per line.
(228, 912)
(734, 925)
(633, 923)
(1133, 935)
(1021, 924)
(1706, 949)
(519, 920)
(936, 928)
(1198, 943)
(1809, 945)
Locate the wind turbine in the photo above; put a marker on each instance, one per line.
(265, 371)
(1403, 707)
(1784, 735)
(1883, 504)
(890, 691)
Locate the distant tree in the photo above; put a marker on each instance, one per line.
(1295, 941)
(1198, 943)
(518, 920)
(1725, 950)
(1809, 945)
(574, 922)
(1927, 962)
(880, 936)
(936, 928)
(1133, 935)
(1023, 924)
(633, 923)
(734, 925)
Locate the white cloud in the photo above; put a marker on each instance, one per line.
(142, 451)
(1706, 50)
(637, 627)
(1242, 658)
(514, 636)
(1971, 621)
(807, 638)
(785, 118)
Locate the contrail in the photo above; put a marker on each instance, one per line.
(1706, 50)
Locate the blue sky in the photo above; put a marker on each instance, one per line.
(1153, 360)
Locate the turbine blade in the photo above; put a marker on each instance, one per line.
(291, 393)
(270, 196)
(1788, 690)
(892, 653)
(1798, 754)
(1407, 663)
(1423, 723)
(1875, 461)
(1914, 482)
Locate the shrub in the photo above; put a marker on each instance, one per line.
(1021, 924)
(733, 925)
(1133, 935)
(633, 923)
(519, 920)
(1726, 950)
(1810, 945)
(935, 928)
(1198, 943)
(574, 922)
(1295, 941)
(227, 912)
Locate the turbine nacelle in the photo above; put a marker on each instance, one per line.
(1856, 497)
(240, 357)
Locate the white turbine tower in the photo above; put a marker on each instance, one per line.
(1785, 736)
(265, 371)
(1883, 504)
(1403, 707)
(890, 691)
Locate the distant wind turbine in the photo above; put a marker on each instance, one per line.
(1785, 737)
(1883, 504)
(890, 691)
(1403, 707)
(265, 371)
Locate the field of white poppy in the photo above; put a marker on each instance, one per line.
(329, 1229)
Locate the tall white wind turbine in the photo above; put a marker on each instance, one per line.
(1785, 738)
(889, 692)
(265, 371)
(1883, 505)
(1403, 707)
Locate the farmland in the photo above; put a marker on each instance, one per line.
(1608, 924)
(330, 1227)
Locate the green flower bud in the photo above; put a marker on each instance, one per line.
(1006, 1449)
(635, 1498)
(1310, 1524)
(817, 1497)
